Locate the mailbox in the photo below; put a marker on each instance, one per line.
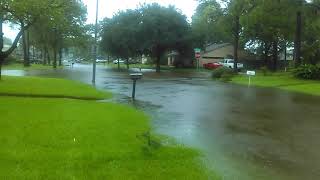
(135, 77)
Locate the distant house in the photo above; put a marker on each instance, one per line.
(172, 56)
(218, 52)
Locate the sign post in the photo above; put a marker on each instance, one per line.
(250, 73)
(198, 56)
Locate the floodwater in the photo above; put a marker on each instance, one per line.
(245, 133)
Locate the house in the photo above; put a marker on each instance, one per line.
(218, 52)
(172, 56)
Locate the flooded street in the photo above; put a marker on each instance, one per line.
(245, 133)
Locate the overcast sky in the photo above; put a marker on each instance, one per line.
(109, 7)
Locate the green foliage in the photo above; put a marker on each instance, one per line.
(208, 25)
(10, 60)
(264, 70)
(224, 73)
(308, 71)
(151, 30)
(119, 34)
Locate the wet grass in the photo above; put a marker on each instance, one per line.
(18, 66)
(49, 87)
(52, 138)
(281, 80)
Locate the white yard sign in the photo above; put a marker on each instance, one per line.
(250, 73)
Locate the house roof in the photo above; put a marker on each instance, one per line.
(213, 47)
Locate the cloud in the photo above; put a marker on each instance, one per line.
(107, 8)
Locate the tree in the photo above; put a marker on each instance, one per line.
(269, 31)
(236, 9)
(24, 13)
(120, 35)
(207, 24)
(161, 29)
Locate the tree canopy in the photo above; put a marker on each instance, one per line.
(151, 30)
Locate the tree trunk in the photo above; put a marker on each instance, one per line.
(48, 57)
(158, 63)
(236, 42)
(285, 56)
(26, 60)
(118, 64)
(54, 58)
(44, 56)
(266, 53)
(1, 36)
(297, 44)
(33, 53)
(1, 61)
(60, 57)
(128, 63)
(275, 55)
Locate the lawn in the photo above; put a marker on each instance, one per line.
(56, 138)
(281, 80)
(17, 66)
(32, 86)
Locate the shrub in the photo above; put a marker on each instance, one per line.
(308, 71)
(10, 60)
(222, 72)
(264, 70)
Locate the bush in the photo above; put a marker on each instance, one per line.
(222, 72)
(264, 70)
(10, 60)
(308, 71)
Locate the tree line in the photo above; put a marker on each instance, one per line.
(150, 30)
(263, 27)
(47, 25)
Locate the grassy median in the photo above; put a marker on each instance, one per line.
(281, 80)
(62, 138)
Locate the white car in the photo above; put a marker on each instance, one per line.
(120, 61)
(101, 61)
(230, 64)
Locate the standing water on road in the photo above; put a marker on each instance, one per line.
(245, 133)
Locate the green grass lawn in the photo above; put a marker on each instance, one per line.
(17, 66)
(32, 86)
(55, 138)
(283, 81)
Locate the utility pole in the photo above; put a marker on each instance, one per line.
(95, 45)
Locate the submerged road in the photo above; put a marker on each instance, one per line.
(245, 133)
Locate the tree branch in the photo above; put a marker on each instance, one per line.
(16, 40)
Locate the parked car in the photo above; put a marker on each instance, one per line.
(212, 65)
(230, 64)
(120, 61)
(101, 61)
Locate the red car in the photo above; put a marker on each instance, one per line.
(212, 65)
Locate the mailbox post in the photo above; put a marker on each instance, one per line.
(135, 77)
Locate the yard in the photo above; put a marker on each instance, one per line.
(281, 80)
(50, 129)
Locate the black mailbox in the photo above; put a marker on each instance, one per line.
(135, 77)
